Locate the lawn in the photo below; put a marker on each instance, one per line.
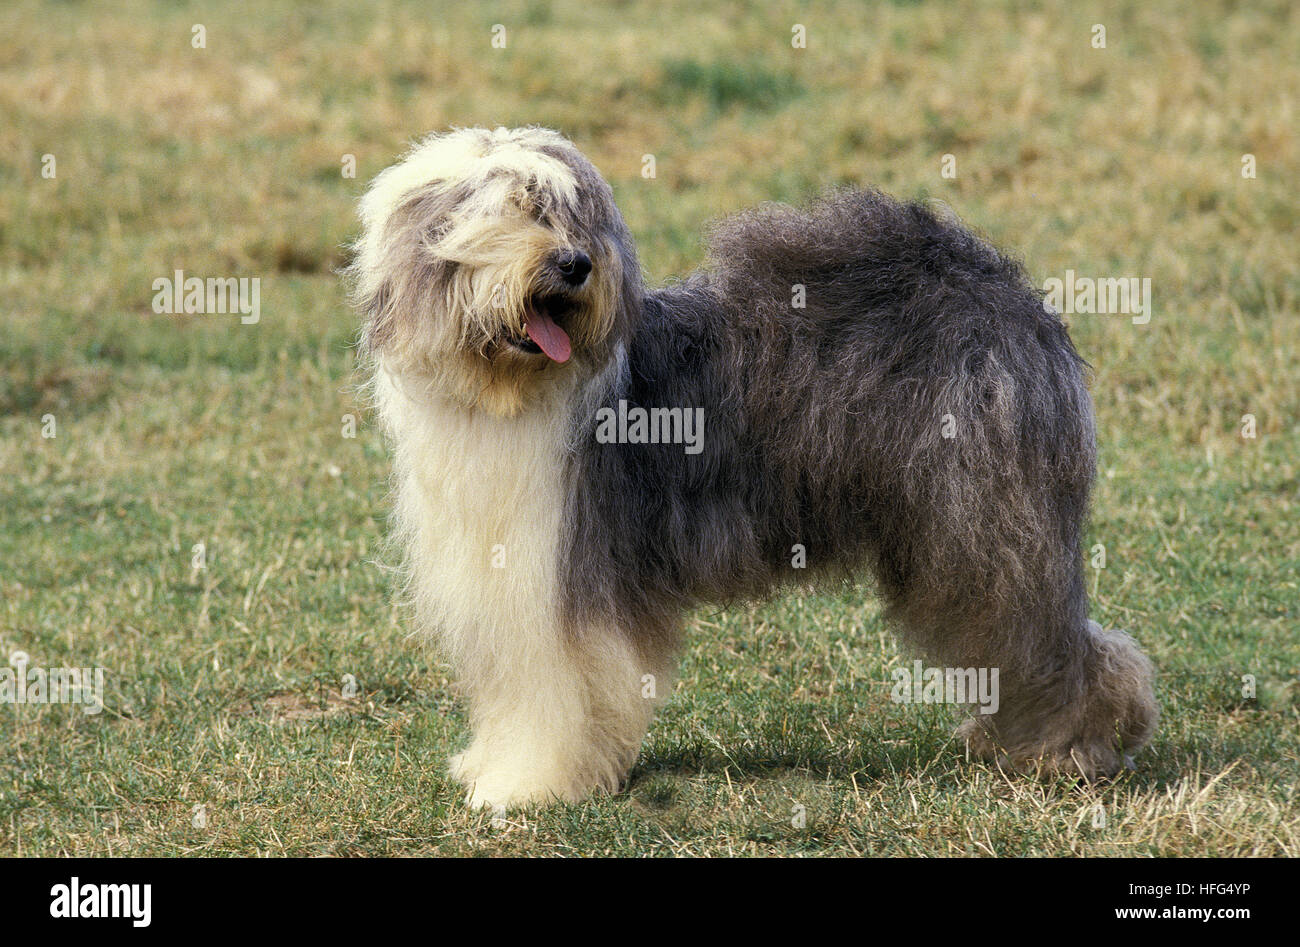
(197, 504)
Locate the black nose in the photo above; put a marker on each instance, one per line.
(574, 265)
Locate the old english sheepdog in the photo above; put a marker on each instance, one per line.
(858, 388)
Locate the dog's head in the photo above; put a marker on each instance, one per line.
(493, 264)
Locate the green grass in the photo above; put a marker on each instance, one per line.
(224, 684)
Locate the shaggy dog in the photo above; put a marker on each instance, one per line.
(856, 388)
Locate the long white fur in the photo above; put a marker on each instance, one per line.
(478, 508)
(479, 500)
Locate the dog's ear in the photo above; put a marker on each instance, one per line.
(401, 296)
(395, 278)
(376, 307)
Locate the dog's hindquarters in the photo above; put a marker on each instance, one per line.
(981, 568)
(964, 454)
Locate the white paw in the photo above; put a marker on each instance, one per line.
(513, 790)
(503, 784)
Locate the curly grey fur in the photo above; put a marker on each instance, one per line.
(825, 428)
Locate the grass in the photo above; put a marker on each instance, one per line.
(223, 684)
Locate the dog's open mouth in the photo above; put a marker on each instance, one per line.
(543, 316)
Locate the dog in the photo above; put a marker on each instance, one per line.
(877, 392)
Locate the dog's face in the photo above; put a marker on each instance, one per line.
(494, 264)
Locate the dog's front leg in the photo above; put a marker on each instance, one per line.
(554, 716)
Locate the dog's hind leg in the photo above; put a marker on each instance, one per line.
(980, 563)
(1071, 697)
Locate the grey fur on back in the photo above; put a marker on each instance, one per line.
(824, 425)
(825, 428)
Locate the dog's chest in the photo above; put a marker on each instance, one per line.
(485, 497)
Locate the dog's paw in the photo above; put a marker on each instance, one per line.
(500, 789)
(507, 784)
(1086, 761)
(1093, 735)
(497, 782)
(972, 733)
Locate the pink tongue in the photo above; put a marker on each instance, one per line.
(549, 337)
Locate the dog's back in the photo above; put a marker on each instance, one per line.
(871, 376)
